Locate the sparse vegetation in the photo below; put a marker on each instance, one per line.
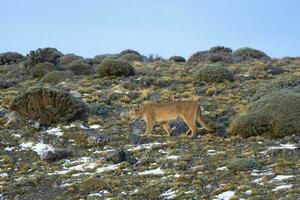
(252, 154)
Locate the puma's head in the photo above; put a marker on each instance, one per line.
(135, 113)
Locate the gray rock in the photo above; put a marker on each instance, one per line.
(57, 154)
(94, 137)
(119, 156)
(243, 164)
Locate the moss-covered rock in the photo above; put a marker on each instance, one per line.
(11, 58)
(111, 67)
(81, 68)
(177, 59)
(56, 76)
(68, 58)
(48, 105)
(41, 69)
(43, 55)
(274, 114)
(247, 53)
(214, 73)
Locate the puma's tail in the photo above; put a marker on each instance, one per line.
(200, 119)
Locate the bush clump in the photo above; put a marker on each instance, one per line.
(215, 54)
(68, 58)
(129, 51)
(177, 59)
(81, 68)
(48, 105)
(275, 113)
(43, 55)
(132, 57)
(119, 67)
(100, 58)
(214, 73)
(247, 53)
(41, 69)
(8, 58)
(56, 76)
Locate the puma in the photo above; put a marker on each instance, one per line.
(188, 111)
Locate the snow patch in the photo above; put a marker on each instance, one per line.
(258, 181)
(40, 148)
(16, 135)
(261, 173)
(225, 195)
(280, 178)
(284, 146)
(83, 164)
(173, 157)
(146, 146)
(169, 194)
(55, 131)
(107, 168)
(9, 148)
(222, 168)
(3, 175)
(95, 126)
(99, 194)
(248, 192)
(282, 187)
(153, 171)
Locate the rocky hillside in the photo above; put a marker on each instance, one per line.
(65, 132)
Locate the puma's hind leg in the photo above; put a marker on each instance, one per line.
(192, 126)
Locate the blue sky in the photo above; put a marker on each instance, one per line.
(163, 27)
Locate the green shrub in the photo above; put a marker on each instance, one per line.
(41, 69)
(214, 73)
(100, 58)
(249, 53)
(177, 59)
(55, 77)
(43, 55)
(67, 59)
(132, 57)
(275, 114)
(129, 51)
(10, 58)
(111, 67)
(48, 105)
(81, 68)
(214, 55)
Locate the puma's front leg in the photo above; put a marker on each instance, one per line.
(149, 126)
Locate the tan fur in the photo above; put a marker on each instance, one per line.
(188, 111)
